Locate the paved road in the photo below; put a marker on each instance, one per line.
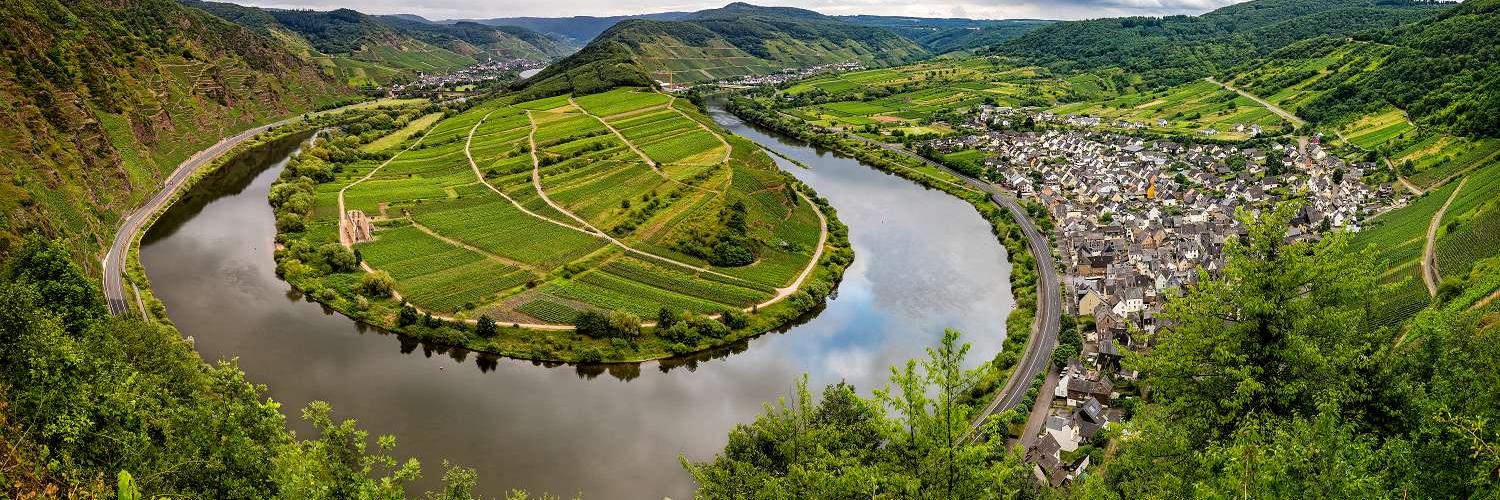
(114, 260)
(1044, 329)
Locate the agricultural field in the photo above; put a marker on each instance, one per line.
(1398, 239)
(1376, 130)
(1470, 229)
(535, 212)
(909, 98)
(1438, 157)
(1186, 109)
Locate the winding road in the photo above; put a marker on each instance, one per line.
(1430, 275)
(134, 222)
(1284, 114)
(1038, 353)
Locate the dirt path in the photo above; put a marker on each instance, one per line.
(480, 251)
(536, 182)
(1404, 182)
(344, 214)
(1430, 272)
(612, 129)
(469, 142)
(1274, 108)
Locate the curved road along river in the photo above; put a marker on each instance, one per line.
(114, 260)
(1044, 328)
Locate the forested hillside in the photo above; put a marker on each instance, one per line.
(1441, 71)
(99, 101)
(575, 30)
(736, 40)
(365, 50)
(1175, 49)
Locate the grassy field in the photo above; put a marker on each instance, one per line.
(519, 235)
(1470, 229)
(412, 128)
(1185, 109)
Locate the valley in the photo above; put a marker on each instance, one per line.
(819, 255)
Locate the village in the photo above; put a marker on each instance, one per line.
(773, 79)
(480, 72)
(1134, 219)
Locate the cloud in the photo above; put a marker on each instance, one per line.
(979, 9)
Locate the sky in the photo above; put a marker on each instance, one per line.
(979, 9)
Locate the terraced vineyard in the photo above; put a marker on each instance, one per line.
(1398, 239)
(535, 212)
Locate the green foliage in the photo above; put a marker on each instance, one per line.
(1269, 383)
(377, 284)
(104, 99)
(486, 327)
(908, 441)
(121, 398)
(1176, 49)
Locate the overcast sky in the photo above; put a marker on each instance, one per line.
(986, 9)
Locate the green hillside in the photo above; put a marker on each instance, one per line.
(99, 102)
(481, 41)
(364, 50)
(1176, 49)
(1418, 96)
(736, 40)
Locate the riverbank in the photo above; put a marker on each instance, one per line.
(1024, 274)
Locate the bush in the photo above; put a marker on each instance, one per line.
(592, 323)
(377, 284)
(624, 324)
(734, 319)
(407, 316)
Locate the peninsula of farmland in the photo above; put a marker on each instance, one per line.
(628, 205)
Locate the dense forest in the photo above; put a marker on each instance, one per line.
(93, 406)
(1176, 49)
(1443, 71)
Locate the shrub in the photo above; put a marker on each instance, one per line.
(734, 319)
(592, 323)
(624, 324)
(377, 284)
(407, 316)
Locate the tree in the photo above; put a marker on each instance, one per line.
(377, 284)
(486, 327)
(407, 316)
(665, 318)
(592, 324)
(624, 324)
(1280, 335)
(845, 446)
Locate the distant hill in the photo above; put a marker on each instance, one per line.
(369, 50)
(480, 40)
(736, 40)
(577, 30)
(947, 34)
(1176, 49)
(99, 101)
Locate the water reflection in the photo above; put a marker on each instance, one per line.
(924, 261)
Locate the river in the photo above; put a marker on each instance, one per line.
(924, 261)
